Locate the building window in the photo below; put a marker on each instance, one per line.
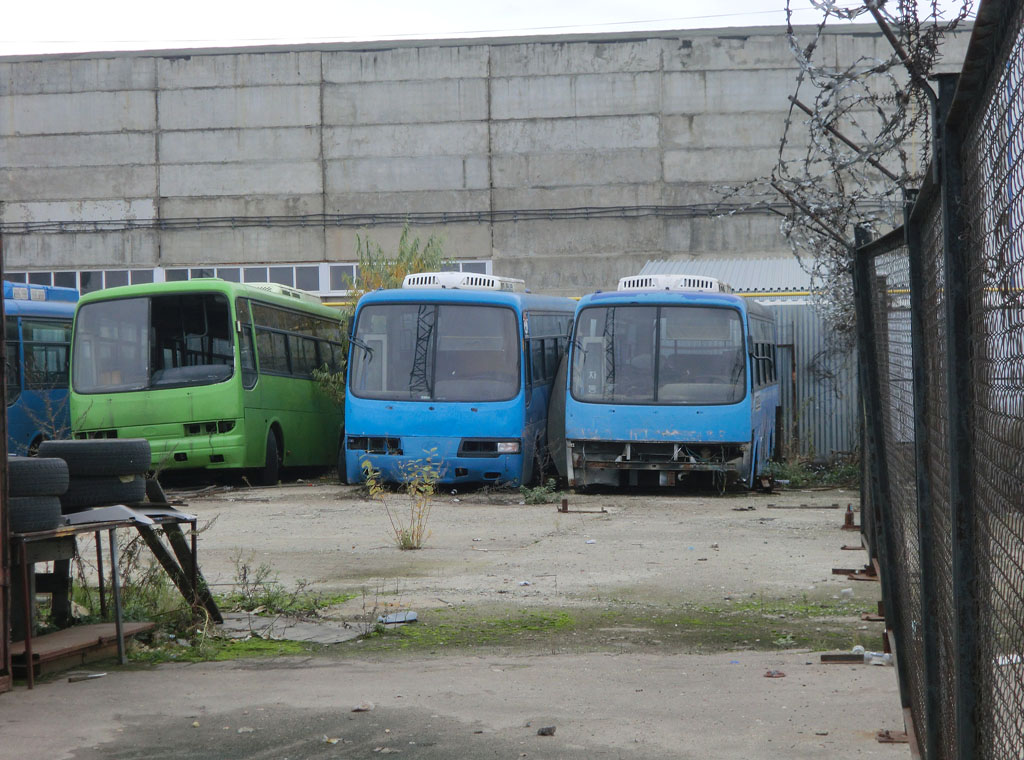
(66, 279)
(115, 278)
(91, 281)
(307, 278)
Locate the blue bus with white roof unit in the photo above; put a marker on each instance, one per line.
(670, 375)
(37, 331)
(457, 369)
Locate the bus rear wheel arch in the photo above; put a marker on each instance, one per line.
(270, 473)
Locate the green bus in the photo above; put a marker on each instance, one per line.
(214, 374)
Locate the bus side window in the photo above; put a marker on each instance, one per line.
(246, 351)
(537, 360)
(12, 370)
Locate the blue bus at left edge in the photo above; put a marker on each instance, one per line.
(37, 330)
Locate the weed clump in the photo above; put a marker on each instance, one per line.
(418, 478)
(545, 493)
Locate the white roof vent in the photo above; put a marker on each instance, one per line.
(463, 281)
(286, 291)
(674, 282)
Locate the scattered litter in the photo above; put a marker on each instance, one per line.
(456, 500)
(330, 739)
(546, 731)
(246, 730)
(398, 617)
(84, 677)
(591, 541)
(821, 733)
(524, 583)
(714, 546)
(878, 658)
(478, 539)
(846, 592)
(363, 707)
(745, 509)
(774, 674)
(857, 650)
(734, 662)
(195, 724)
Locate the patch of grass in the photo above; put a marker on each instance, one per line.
(804, 474)
(216, 650)
(257, 589)
(772, 625)
(545, 493)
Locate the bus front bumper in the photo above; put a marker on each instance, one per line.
(171, 450)
(455, 460)
(604, 462)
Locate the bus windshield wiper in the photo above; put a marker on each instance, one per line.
(359, 344)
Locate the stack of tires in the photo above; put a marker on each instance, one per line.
(102, 471)
(36, 486)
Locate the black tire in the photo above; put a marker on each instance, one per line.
(101, 456)
(103, 491)
(34, 513)
(270, 473)
(342, 466)
(37, 476)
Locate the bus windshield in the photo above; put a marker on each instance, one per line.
(151, 342)
(436, 352)
(659, 355)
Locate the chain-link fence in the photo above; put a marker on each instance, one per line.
(941, 312)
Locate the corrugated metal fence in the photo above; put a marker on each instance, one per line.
(940, 307)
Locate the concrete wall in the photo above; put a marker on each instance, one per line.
(272, 137)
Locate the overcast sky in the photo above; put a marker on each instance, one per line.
(64, 26)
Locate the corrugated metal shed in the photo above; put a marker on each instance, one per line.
(745, 275)
(818, 383)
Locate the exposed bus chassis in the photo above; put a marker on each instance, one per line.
(646, 463)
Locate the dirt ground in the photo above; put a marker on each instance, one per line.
(630, 571)
(485, 546)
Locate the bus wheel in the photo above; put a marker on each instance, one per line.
(270, 473)
(342, 466)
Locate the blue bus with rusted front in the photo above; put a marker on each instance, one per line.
(37, 331)
(670, 375)
(456, 369)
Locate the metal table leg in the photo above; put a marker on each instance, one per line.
(30, 668)
(99, 573)
(116, 588)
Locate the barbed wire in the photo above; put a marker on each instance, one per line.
(863, 139)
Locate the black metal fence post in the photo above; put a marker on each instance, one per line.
(958, 392)
(925, 524)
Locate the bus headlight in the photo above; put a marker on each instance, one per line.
(508, 447)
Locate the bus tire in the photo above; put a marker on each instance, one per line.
(342, 466)
(102, 491)
(101, 456)
(34, 513)
(37, 476)
(270, 473)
